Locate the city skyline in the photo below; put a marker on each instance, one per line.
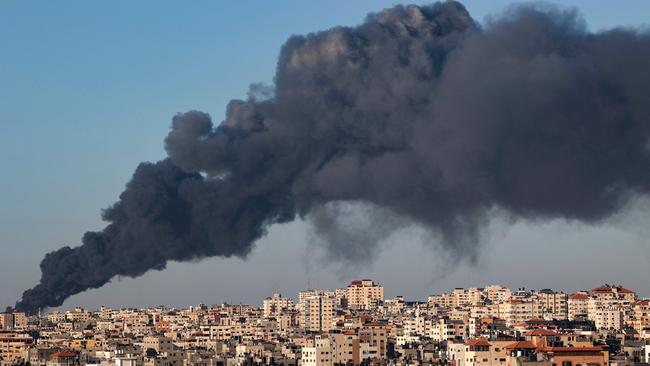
(360, 298)
(354, 325)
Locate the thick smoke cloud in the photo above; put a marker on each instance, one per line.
(418, 111)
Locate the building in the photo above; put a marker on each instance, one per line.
(526, 353)
(345, 347)
(277, 305)
(317, 353)
(480, 352)
(497, 293)
(516, 311)
(641, 317)
(159, 344)
(63, 358)
(78, 315)
(613, 292)
(578, 305)
(364, 294)
(14, 348)
(611, 317)
(375, 335)
(6, 321)
(554, 304)
(317, 313)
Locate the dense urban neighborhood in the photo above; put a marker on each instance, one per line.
(488, 326)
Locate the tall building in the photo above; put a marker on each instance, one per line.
(376, 336)
(345, 347)
(20, 320)
(578, 305)
(364, 294)
(317, 313)
(606, 306)
(517, 311)
(554, 304)
(6, 321)
(641, 320)
(276, 305)
(302, 295)
(497, 293)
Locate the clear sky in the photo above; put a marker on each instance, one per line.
(88, 89)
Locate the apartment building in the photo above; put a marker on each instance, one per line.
(515, 311)
(577, 305)
(6, 321)
(158, 343)
(78, 315)
(364, 294)
(611, 317)
(641, 317)
(317, 353)
(497, 293)
(445, 329)
(345, 347)
(302, 295)
(375, 335)
(554, 304)
(479, 352)
(317, 313)
(277, 305)
(14, 348)
(613, 292)
(20, 321)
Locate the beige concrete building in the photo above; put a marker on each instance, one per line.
(497, 293)
(317, 313)
(20, 320)
(577, 305)
(611, 318)
(364, 294)
(641, 317)
(613, 292)
(479, 352)
(317, 353)
(13, 349)
(56, 317)
(375, 335)
(78, 315)
(445, 329)
(554, 304)
(302, 295)
(160, 344)
(345, 347)
(6, 321)
(277, 305)
(608, 312)
(518, 311)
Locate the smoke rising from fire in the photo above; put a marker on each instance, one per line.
(419, 112)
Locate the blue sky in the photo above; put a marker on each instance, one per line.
(88, 89)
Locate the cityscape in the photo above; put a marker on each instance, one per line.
(355, 325)
(291, 167)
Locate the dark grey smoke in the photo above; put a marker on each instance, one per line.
(416, 111)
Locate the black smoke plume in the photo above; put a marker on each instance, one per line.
(418, 111)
